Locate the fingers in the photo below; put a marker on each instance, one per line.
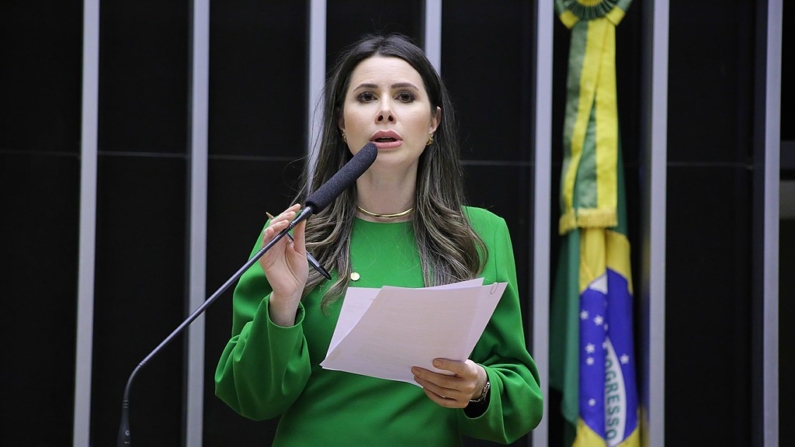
(285, 263)
(447, 397)
(285, 257)
(449, 390)
(457, 368)
(443, 401)
(286, 215)
(298, 237)
(278, 223)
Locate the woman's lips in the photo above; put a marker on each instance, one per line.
(386, 139)
(386, 143)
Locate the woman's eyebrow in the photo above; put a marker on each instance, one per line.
(404, 85)
(396, 85)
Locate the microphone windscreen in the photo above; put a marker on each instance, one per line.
(343, 179)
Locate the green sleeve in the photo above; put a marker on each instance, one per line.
(264, 367)
(515, 403)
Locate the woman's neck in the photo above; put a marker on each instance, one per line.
(382, 200)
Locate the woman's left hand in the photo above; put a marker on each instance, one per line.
(452, 391)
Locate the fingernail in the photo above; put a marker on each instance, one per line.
(437, 363)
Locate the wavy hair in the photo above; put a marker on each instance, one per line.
(449, 249)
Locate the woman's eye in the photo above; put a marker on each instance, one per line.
(405, 96)
(365, 97)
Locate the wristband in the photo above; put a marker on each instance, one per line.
(483, 393)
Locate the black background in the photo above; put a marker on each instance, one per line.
(257, 140)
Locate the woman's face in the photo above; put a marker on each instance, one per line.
(386, 103)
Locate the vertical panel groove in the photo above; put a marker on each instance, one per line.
(433, 33)
(197, 246)
(652, 291)
(770, 284)
(545, 16)
(88, 208)
(317, 76)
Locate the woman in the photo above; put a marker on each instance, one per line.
(402, 224)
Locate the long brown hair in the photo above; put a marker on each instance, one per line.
(449, 248)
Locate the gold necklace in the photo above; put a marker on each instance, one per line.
(355, 276)
(385, 216)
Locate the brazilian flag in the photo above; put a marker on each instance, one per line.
(591, 340)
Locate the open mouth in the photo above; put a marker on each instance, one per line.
(384, 140)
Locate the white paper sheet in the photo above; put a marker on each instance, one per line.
(384, 332)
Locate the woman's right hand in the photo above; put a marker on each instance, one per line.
(285, 266)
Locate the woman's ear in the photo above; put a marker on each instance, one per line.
(436, 119)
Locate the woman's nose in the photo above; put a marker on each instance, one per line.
(385, 114)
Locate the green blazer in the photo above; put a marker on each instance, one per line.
(269, 371)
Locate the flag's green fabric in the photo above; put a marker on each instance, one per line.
(591, 343)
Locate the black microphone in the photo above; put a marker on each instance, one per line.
(316, 202)
(342, 180)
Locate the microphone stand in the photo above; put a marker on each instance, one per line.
(124, 426)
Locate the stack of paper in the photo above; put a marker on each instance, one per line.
(384, 332)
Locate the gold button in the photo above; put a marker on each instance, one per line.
(355, 276)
